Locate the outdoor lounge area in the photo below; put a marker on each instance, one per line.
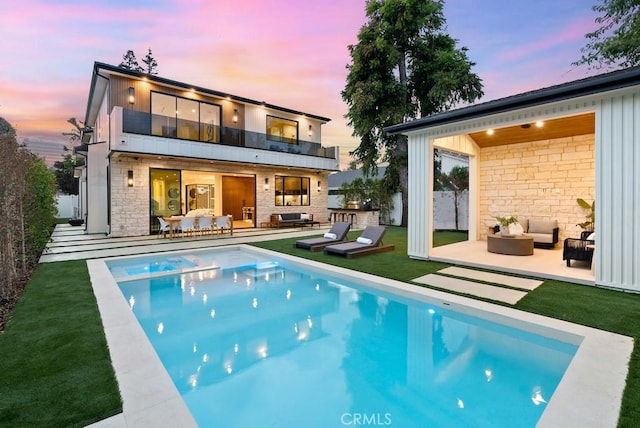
(544, 263)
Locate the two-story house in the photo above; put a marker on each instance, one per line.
(157, 147)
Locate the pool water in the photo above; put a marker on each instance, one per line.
(263, 342)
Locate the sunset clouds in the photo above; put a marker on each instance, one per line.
(291, 53)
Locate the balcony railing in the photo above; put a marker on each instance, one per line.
(135, 122)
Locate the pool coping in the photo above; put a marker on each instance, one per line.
(589, 394)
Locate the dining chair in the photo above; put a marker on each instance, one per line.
(164, 228)
(205, 224)
(187, 225)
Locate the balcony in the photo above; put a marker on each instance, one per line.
(135, 122)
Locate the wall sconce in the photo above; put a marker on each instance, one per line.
(319, 186)
(266, 184)
(235, 115)
(310, 130)
(132, 95)
(130, 178)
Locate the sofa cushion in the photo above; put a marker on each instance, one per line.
(541, 238)
(542, 226)
(290, 216)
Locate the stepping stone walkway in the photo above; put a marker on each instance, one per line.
(466, 281)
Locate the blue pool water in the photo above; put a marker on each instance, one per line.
(258, 342)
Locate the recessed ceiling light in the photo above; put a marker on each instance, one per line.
(539, 124)
(489, 131)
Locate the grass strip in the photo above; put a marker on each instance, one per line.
(56, 370)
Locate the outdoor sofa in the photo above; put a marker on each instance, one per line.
(337, 233)
(290, 219)
(545, 233)
(369, 242)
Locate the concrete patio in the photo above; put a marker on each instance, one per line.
(543, 263)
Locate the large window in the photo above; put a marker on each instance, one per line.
(292, 191)
(282, 130)
(183, 118)
(164, 194)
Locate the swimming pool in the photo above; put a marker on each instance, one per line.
(258, 341)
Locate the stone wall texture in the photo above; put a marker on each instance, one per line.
(538, 180)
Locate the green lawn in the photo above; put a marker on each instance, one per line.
(56, 370)
(55, 365)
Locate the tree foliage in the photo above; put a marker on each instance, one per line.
(150, 63)
(371, 193)
(130, 62)
(63, 169)
(617, 41)
(76, 131)
(27, 207)
(404, 66)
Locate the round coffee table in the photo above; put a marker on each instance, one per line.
(520, 245)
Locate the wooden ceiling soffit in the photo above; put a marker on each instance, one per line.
(551, 129)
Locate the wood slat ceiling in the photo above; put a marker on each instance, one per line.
(555, 128)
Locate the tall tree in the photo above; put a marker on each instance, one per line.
(404, 66)
(130, 62)
(617, 41)
(150, 63)
(63, 170)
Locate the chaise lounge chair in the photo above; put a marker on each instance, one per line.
(370, 241)
(336, 234)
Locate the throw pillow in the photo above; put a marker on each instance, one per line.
(304, 217)
(516, 229)
(591, 237)
(362, 240)
(330, 235)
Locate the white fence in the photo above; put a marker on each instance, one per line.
(444, 217)
(443, 210)
(67, 206)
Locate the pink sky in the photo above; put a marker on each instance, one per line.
(291, 53)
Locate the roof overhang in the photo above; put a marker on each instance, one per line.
(579, 88)
(100, 81)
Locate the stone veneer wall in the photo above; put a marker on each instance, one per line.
(130, 205)
(538, 180)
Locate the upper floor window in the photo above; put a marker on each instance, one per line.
(183, 118)
(292, 191)
(282, 130)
